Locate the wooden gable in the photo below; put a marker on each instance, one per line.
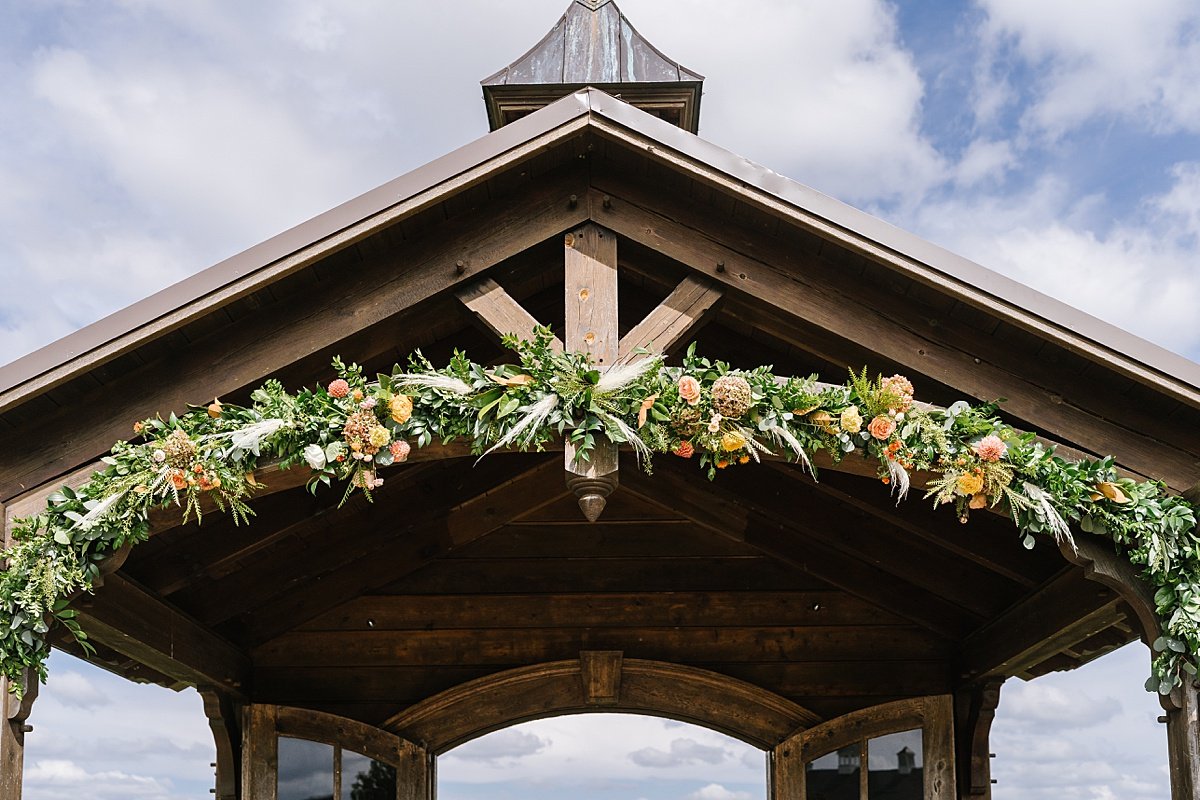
(825, 593)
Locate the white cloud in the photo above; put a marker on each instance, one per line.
(502, 746)
(74, 689)
(715, 791)
(1138, 61)
(66, 780)
(682, 752)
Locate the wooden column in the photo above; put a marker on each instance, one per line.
(260, 753)
(416, 775)
(1183, 741)
(786, 770)
(12, 735)
(591, 327)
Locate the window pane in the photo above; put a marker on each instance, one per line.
(895, 771)
(305, 770)
(835, 776)
(366, 779)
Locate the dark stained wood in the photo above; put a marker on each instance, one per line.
(498, 312)
(132, 621)
(600, 672)
(224, 720)
(974, 710)
(12, 736)
(481, 501)
(686, 693)
(727, 513)
(1183, 742)
(1068, 609)
(613, 610)
(380, 648)
(366, 295)
(777, 278)
(675, 319)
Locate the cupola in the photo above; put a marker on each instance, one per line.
(593, 44)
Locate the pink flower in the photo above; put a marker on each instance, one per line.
(882, 427)
(689, 389)
(990, 448)
(898, 384)
(368, 404)
(339, 389)
(400, 450)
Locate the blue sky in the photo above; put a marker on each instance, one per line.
(1052, 140)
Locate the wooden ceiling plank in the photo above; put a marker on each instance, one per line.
(612, 610)
(138, 624)
(723, 513)
(429, 534)
(498, 312)
(757, 268)
(675, 319)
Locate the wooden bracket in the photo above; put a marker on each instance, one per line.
(676, 318)
(974, 711)
(224, 720)
(601, 673)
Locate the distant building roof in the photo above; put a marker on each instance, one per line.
(594, 44)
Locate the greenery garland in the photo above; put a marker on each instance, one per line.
(701, 409)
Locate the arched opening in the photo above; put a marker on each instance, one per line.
(598, 756)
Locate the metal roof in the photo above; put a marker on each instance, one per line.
(1031, 309)
(592, 44)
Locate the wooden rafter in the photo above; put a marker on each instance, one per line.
(498, 312)
(675, 319)
(772, 275)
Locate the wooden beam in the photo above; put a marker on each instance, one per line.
(428, 532)
(1066, 610)
(774, 276)
(974, 711)
(134, 622)
(306, 324)
(592, 327)
(601, 674)
(724, 513)
(676, 318)
(498, 312)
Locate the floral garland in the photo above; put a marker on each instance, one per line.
(700, 410)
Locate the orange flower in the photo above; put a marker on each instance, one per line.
(178, 479)
(214, 408)
(339, 388)
(744, 459)
(882, 427)
(685, 450)
(722, 464)
(689, 390)
(138, 427)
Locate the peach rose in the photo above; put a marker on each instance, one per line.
(882, 427)
(689, 389)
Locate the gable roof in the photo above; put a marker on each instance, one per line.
(247, 271)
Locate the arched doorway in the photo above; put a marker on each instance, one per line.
(408, 744)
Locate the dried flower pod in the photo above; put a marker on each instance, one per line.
(731, 395)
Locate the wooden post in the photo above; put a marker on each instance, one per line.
(12, 736)
(591, 315)
(260, 753)
(1183, 741)
(786, 770)
(416, 777)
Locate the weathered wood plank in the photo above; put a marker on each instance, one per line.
(131, 621)
(600, 671)
(612, 610)
(1183, 744)
(676, 318)
(776, 277)
(534, 645)
(283, 335)
(498, 312)
(12, 736)
(260, 753)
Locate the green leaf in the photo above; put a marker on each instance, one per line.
(62, 537)
(508, 404)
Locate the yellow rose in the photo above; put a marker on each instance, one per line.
(732, 441)
(401, 406)
(969, 483)
(851, 421)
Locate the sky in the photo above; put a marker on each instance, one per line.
(1055, 141)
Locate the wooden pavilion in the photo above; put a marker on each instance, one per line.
(803, 617)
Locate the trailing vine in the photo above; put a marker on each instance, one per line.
(704, 410)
